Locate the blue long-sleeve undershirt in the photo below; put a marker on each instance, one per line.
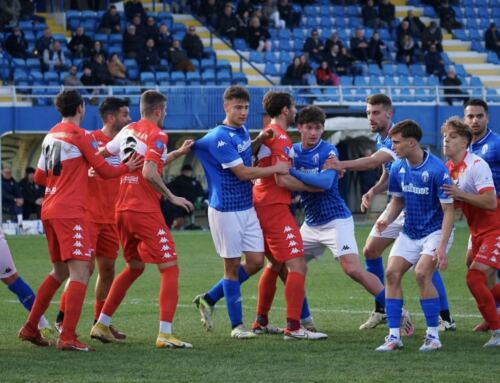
(322, 180)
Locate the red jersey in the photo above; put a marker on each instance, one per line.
(103, 193)
(473, 175)
(148, 140)
(265, 190)
(67, 153)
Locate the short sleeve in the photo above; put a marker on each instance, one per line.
(113, 146)
(225, 152)
(156, 148)
(394, 184)
(443, 178)
(482, 176)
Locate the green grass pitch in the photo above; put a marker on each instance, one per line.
(338, 305)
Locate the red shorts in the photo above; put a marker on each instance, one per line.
(68, 238)
(104, 240)
(486, 249)
(145, 237)
(281, 234)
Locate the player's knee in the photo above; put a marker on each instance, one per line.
(107, 272)
(422, 277)
(370, 252)
(393, 276)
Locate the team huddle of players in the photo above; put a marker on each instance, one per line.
(249, 213)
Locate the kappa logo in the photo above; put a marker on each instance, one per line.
(77, 252)
(402, 171)
(231, 134)
(163, 240)
(77, 228)
(493, 259)
(345, 247)
(78, 236)
(77, 244)
(294, 251)
(497, 245)
(292, 244)
(496, 252)
(220, 144)
(290, 236)
(283, 137)
(287, 229)
(161, 232)
(167, 255)
(165, 247)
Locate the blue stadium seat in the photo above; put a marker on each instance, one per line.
(220, 64)
(271, 70)
(492, 95)
(271, 57)
(417, 70)
(178, 77)
(374, 70)
(19, 64)
(388, 70)
(240, 45)
(492, 58)
(102, 37)
(374, 81)
(239, 78)
(193, 78)
(162, 77)
(207, 64)
(208, 77)
(256, 57)
(402, 70)
(51, 76)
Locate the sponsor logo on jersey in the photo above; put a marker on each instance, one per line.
(220, 144)
(231, 134)
(243, 146)
(425, 176)
(414, 189)
(165, 247)
(78, 236)
(163, 240)
(77, 252)
(167, 255)
(50, 190)
(129, 180)
(309, 171)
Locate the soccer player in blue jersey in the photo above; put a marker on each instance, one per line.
(415, 183)
(485, 144)
(226, 156)
(379, 112)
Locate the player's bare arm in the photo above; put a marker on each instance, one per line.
(486, 200)
(365, 163)
(150, 173)
(379, 187)
(394, 208)
(246, 173)
(446, 229)
(182, 151)
(262, 136)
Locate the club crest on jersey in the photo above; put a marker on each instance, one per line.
(425, 176)
(315, 159)
(159, 145)
(94, 144)
(484, 149)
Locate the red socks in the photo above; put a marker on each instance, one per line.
(169, 293)
(266, 292)
(98, 305)
(496, 293)
(44, 295)
(62, 302)
(75, 295)
(476, 281)
(294, 295)
(119, 288)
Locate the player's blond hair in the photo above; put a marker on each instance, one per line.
(459, 127)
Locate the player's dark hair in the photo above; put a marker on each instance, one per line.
(236, 93)
(111, 105)
(311, 114)
(407, 129)
(380, 99)
(150, 100)
(476, 102)
(67, 102)
(458, 126)
(274, 102)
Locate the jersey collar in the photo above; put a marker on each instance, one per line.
(483, 139)
(426, 158)
(313, 148)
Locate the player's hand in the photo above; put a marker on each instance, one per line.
(182, 202)
(282, 167)
(381, 225)
(366, 201)
(266, 134)
(185, 147)
(134, 162)
(92, 172)
(452, 191)
(441, 259)
(333, 163)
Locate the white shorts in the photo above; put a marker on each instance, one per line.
(235, 232)
(393, 230)
(7, 267)
(413, 249)
(337, 235)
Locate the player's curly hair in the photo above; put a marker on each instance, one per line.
(458, 126)
(408, 129)
(311, 114)
(274, 102)
(236, 92)
(380, 99)
(111, 105)
(67, 102)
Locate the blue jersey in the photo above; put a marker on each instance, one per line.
(385, 145)
(323, 207)
(421, 188)
(488, 148)
(218, 151)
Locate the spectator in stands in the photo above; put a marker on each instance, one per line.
(432, 36)
(151, 28)
(43, 42)
(100, 70)
(149, 59)
(376, 49)
(287, 14)
(192, 44)
(348, 62)
(452, 89)
(448, 17)
(243, 24)
(117, 70)
(32, 195)
(140, 28)
(111, 21)
(402, 30)
(306, 67)
(88, 79)
(270, 12)
(12, 199)
(332, 57)
(9, 12)
(434, 63)
(164, 41)
(209, 12)
(416, 26)
(359, 45)
(406, 50)
(53, 57)
(132, 8)
(331, 41)
(325, 76)
(314, 47)
(293, 74)
(16, 45)
(245, 6)
(28, 9)
(492, 39)
(179, 58)
(258, 36)
(132, 43)
(387, 13)
(227, 24)
(71, 78)
(371, 17)
(98, 49)
(80, 44)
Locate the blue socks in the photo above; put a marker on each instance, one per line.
(305, 309)
(376, 266)
(438, 283)
(23, 292)
(216, 293)
(233, 301)
(380, 298)
(430, 307)
(393, 308)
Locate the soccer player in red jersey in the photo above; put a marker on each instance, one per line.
(100, 211)
(283, 242)
(67, 153)
(474, 191)
(144, 236)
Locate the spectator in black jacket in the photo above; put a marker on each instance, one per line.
(209, 12)
(314, 47)
(149, 59)
(111, 21)
(376, 49)
(359, 45)
(452, 90)
(151, 28)
(387, 13)
(179, 58)
(164, 41)
(80, 44)
(432, 36)
(370, 16)
(32, 195)
(406, 50)
(287, 14)
(16, 45)
(448, 17)
(54, 58)
(492, 39)
(97, 48)
(245, 6)
(100, 70)
(43, 42)
(416, 26)
(134, 7)
(258, 36)
(12, 199)
(192, 44)
(140, 28)
(331, 41)
(132, 43)
(434, 63)
(228, 25)
(293, 74)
